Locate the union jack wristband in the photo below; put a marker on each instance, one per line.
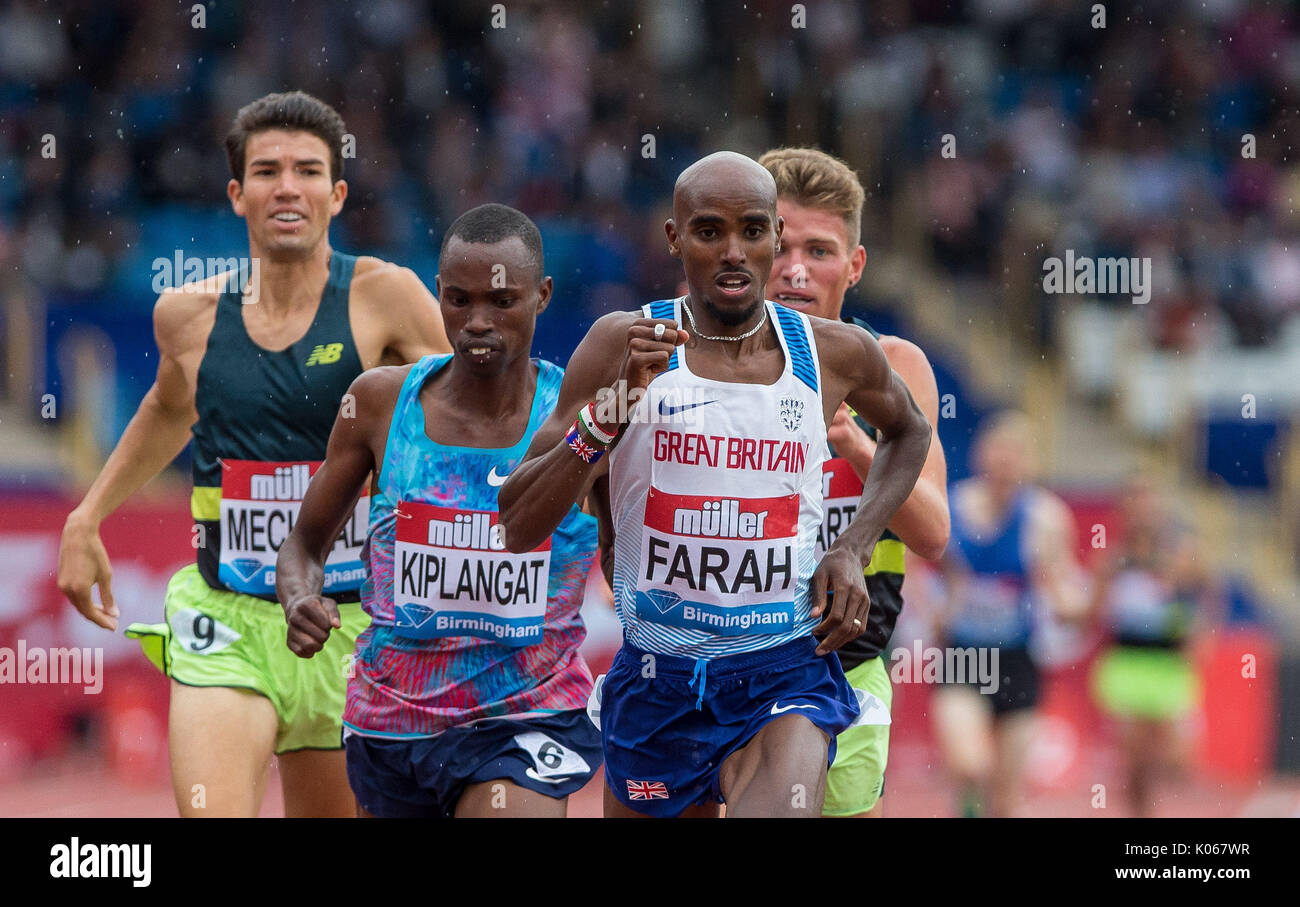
(587, 452)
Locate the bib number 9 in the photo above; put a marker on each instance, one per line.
(204, 633)
(199, 633)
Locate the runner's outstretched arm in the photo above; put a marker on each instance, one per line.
(156, 434)
(330, 498)
(619, 354)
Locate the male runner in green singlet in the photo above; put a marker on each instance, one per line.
(820, 199)
(257, 377)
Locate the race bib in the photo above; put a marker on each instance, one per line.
(841, 492)
(259, 504)
(454, 577)
(1139, 603)
(722, 564)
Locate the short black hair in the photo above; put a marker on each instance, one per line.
(492, 223)
(293, 110)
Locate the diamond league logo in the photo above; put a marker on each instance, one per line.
(663, 599)
(791, 413)
(413, 615)
(246, 567)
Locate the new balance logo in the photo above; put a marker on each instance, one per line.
(325, 354)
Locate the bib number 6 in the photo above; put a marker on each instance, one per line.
(550, 755)
(552, 762)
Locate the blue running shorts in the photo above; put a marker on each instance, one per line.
(424, 777)
(668, 723)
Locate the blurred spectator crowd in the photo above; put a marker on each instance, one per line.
(1122, 140)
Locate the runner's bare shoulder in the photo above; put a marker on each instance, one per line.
(849, 351)
(900, 351)
(386, 282)
(375, 390)
(389, 293)
(183, 316)
(369, 266)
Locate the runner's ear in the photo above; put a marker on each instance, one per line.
(544, 294)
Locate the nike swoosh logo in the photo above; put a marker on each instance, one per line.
(666, 410)
(496, 481)
(532, 773)
(777, 709)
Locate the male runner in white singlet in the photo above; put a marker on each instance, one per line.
(721, 691)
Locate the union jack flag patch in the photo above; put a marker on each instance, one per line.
(588, 453)
(584, 450)
(647, 790)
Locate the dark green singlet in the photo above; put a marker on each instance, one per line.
(267, 407)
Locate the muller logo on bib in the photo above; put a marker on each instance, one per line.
(475, 531)
(287, 483)
(719, 519)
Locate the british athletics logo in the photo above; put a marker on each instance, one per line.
(647, 790)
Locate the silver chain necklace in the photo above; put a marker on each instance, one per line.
(750, 333)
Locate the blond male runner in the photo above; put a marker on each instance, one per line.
(820, 258)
